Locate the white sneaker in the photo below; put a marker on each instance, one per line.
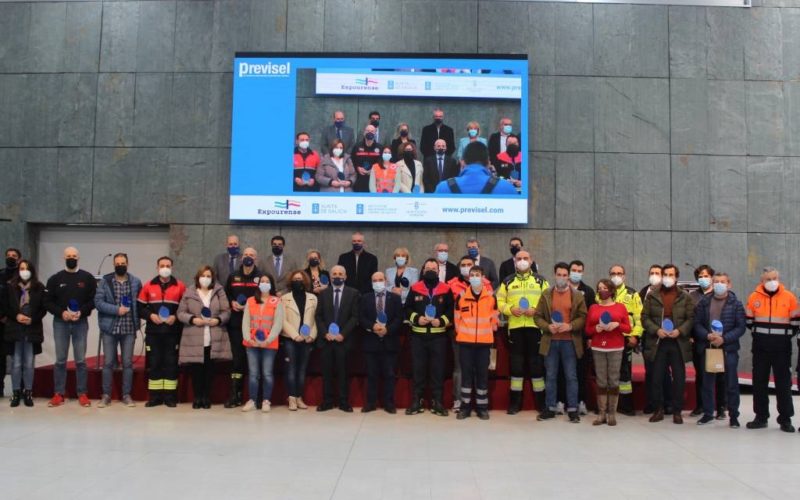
(456, 405)
(582, 408)
(105, 400)
(266, 406)
(249, 406)
(128, 401)
(559, 408)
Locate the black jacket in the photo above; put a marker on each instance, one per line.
(348, 314)
(9, 307)
(361, 278)
(430, 171)
(368, 314)
(494, 148)
(430, 135)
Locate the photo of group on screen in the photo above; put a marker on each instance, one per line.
(376, 160)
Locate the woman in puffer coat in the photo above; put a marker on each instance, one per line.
(204, 310)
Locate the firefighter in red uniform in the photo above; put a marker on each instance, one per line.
(158, 303)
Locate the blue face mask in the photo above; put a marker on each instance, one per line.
(337, 281)
(720, 288)
(248, 261)
(704, 282)
(369, 136)
(472, 252)
(575, 277)
(475, 281)
(472, 132)
(507, 129)
(233, 251)
(339, 123)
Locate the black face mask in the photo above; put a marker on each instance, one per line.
(440, 151)
(276, 250)
(298, 287)
(11, 262)
(71, 263)
(404, 133)
(408, 156)
(313, 262)
(120, 270)
(430, 278)
(438, 121)
(512, 150)
(375, 123)
(515, 249)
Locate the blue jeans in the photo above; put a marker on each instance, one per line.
(125, 343)
(297, 354)
(63, 331)
(731, 385)
(259, 363)
(562, 352)
(22, 368)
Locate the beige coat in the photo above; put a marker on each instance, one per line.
(292, 320)
(191, 349)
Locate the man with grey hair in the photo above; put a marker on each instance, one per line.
(70, 299)
(228, 262)
(773, 316)
(337, 131)
(489, 268)
(434, 131)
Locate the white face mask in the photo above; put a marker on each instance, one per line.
(264, 287)
(400, 261)
(523, 265)
(771, 285)
(205, 281)
(668, 281)
(386, 156)
(655, 280)
(617, 280)
(337, 152)
(476, 282)
(303, 144)
(165, 272)
(465, 270)
(378, 286)
(441, 257)
(24, 275)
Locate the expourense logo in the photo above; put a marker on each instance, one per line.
(264, 70)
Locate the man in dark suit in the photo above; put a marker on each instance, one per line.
(359, 264)
(337, 304)
(497, 141)
(434, 131)
(447, 270)
(279, 265)
(438, 167)
(507, 267)
(228, 262)
(488, 265)
(381, 341)
(338, 130)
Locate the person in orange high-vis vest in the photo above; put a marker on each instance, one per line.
(475, 320)
(384, 178)
(261, 326)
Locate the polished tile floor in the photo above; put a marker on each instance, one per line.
(86, 453)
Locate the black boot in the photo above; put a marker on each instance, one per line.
(27, 397)
(156, 399)
(15, 397)
(626, 405)
(540, 404)
(235, 397)
(514, 402)
(171, 399)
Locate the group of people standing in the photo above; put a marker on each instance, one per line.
(246, 309)
(345, 163)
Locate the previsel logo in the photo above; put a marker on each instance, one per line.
(262, 70)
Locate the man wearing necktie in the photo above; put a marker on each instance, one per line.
(439, 166)
(338, 304)
(227, 262)
(280, 264)
(381, 341)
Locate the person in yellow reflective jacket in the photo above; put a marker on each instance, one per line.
(517, 298)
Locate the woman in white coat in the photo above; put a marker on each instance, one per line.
(299, 333)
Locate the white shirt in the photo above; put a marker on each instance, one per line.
(503, 138)
(442, 271)
(339, 163)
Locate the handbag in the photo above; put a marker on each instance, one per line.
(715, 360)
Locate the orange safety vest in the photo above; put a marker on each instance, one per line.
(261, 318)
(384, 177)
(475, 320)
(776, 314)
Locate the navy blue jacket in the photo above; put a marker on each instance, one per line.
(368, 314)
(731, 316)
